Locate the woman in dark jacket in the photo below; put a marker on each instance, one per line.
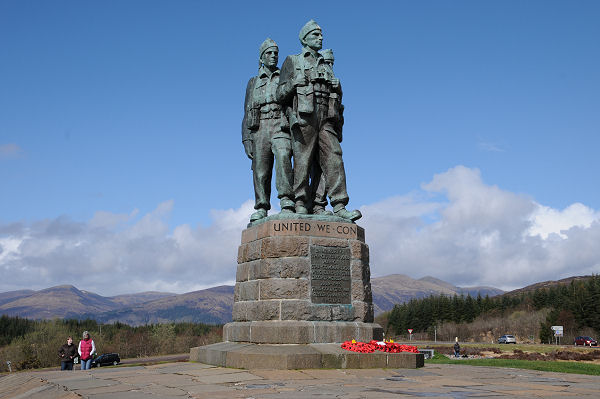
(67, 354)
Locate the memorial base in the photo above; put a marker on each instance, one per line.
(289, 357)
(302, 288)
(300, 332)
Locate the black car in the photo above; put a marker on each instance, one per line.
(106, 359)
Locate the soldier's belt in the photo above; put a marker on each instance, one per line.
(270, 107)
(270, 114)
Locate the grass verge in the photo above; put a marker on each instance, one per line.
(558, 367)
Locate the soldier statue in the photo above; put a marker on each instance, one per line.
(335, 114)
(266, 136)
(305, 89)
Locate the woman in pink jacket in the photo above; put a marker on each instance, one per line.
(86, 349)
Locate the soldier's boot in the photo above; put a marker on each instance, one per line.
(341, 211)
(259, 214)
(300, 208)
(287, 205)
(320, 210)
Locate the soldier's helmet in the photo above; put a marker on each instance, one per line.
(328, 55)
(267, 44)
(307, 28)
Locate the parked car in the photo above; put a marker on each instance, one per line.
(507, 339)
(106, 359)
(585, 341)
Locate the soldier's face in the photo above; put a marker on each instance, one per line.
(270, 57)
(314, 39)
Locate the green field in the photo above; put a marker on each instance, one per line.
(555, 366)
(538, 348)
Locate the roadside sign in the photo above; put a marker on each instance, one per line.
(558, 331)
(410, 330)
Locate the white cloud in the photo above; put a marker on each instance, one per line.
(490, 147)
(482, 235)
(456, 228)
(113, 254)
(10, 151)
(548, 221)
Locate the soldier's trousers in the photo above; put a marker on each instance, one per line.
(318, 189)
(271, 145)
(317, 141)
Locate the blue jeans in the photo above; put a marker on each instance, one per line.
(86, 364)
(66, 366)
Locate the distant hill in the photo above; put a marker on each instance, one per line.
(60, 301)
(399, 288)
(548, 284)
(213, 305)
(141, 297)
(13, 295)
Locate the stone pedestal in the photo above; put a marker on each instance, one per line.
(302, 281)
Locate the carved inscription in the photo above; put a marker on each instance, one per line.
(330, 274)
(311, 227)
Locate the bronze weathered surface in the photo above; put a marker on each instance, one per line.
(297, 112)
(266, 136)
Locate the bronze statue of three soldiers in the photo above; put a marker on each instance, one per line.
(296, 112)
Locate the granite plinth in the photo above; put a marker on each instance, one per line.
(300, 332)
(289, 357)
(303, 268)
(303, 286)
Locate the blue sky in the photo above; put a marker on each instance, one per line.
(124, 117)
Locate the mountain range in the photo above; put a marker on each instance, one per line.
(213, 305)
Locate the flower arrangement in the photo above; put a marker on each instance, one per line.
(382, 346)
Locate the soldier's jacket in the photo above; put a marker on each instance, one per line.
(336, 109)
(261, 103)
(302, 99)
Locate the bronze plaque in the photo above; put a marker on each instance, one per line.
(330, 275)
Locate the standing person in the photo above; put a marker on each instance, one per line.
(86, 349)
(266, 136)
(304, 91)
(67, 354)
(456, 348)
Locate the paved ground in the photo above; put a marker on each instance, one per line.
(196, 380)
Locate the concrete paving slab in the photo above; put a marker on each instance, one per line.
(170, 380)
(207, 390)
(281, 374)
(326, 374)
(183, 367)
(18, 383)
(86, 384)
(227, 378)
(180, 380)
(212, 371)
(106, 389)
(370, 373)
(164, 391)
(47, 392)
(130, 395)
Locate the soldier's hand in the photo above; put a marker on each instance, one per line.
(248, 149)
(300, 80)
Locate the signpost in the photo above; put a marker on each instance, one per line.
(558, 332)
(410, 330)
